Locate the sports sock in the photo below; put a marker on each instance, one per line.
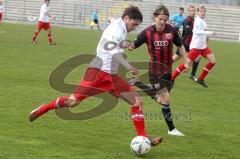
(138, 120)
(49, 38)
(34, 36)
(178, 71)
(206, 70)
(167, 116)
(194, 67)
(60, 102)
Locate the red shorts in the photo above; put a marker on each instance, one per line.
(45, 26)
(195, 53)
(96, 81)
(1, 16)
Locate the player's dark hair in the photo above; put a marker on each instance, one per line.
(181, 8)
(133, 12)
(161, 10)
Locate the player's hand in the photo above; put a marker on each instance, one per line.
(131, 47)
(134, 71)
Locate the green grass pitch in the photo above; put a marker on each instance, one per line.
(209, 117)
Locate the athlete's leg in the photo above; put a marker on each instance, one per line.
(163, 98)
(38, 29)
(211, 62)
(87, 87)
(194, 68)
(137, 115)
(49, 34)
(60, 102)
(176, 57)
(181, 69)
(135, 101)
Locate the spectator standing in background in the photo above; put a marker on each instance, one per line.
(94, 19)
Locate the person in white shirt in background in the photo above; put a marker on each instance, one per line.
(1, 11)
(43, 23)
(198, 46)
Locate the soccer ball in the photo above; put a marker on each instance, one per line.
(140, 145)
(31, 18)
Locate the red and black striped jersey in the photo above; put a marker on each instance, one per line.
(187, 31)
(160, 46)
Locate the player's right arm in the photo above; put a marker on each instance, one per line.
(178, 42)
(118, 53)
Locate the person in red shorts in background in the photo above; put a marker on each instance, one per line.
(1, 11)
(43, 23)
(198, 47)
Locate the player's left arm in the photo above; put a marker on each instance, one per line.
(178, 42)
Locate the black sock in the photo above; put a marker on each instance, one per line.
(194, 67)
(167, 116)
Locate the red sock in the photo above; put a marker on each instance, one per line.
(205, 71)
(138, 120)
(34, 36)
(59, 103)
(178, 71)
(50, 38)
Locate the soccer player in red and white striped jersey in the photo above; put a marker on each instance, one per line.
(198, 47)
(43, 23)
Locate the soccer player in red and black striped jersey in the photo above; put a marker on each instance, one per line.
(186, 39)
(160, 38)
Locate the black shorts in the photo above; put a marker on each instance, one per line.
(159, 82)
(186, 48)
(95, 21)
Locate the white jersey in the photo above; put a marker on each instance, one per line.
(1, 8)
(43, 13)
(199, 37)
(115, 33)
